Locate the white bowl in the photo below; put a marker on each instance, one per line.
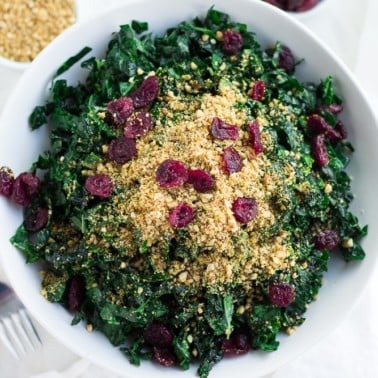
(316, 12)
(13, 65)
(16, 66)
(344, 282)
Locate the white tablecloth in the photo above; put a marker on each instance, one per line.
(350, 28)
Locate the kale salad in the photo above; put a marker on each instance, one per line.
(193, 193)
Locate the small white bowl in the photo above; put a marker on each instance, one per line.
(19, 147)
(13, 65)
(312, 13)
(16, 66)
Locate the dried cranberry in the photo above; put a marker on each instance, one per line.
(232, 42)
(171, 173)
(164, 356)
(181, 215)
(244, 209)
(237, 344)
(333, 108)
(138, 125)
(223, 130)
(6, 181)
(318, 125)
(327, 239)
(286, 60)
(341, 129)
(122, 150)
(333, 135)
(232, 161)
(119, 110)
(76, 293)
(276, 3)
(158, 334)
(319, 150)
(258, 90)
(146, 93)
(294, 5)
(201, 180)
(36, 219)
(281, 294)
(306, 5)
(24, 189)
(99, 185)
(254, 130)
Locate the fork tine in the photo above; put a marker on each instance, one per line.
(13, 336)
(21, 332)
(29, 328)
(7, 342)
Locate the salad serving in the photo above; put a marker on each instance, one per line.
(192, 195)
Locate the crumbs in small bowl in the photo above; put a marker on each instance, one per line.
(27, 26)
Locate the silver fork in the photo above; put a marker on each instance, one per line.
(17, 331)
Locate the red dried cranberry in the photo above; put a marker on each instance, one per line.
(181, 215)
(276, 3)
(6, 181)
(258, 90)
(158, 334)
(119, 110)
(237, 344)
(122, 150)
(232, 42)
(281, 294)
(341, 129)
(138, 125)
(24, 189)
(306, 5)
(146, 93)
(318, 125)
(327, 239)
(333, 108)
(201, 180)
(286, 60)
(294, 5)
(36, 219)
(319, 150)
(164, 356)
(99, 185)
(254, 130)
(244, 209)
(333, 135)
(223, 130)
(171, 173)
(232, 161)
(76, 293)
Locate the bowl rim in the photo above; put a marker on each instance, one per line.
(119, 7)
(13, 64)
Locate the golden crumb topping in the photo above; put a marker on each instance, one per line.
(223, 249)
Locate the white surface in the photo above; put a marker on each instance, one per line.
(349, 351)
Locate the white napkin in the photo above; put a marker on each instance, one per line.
(349, 27)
